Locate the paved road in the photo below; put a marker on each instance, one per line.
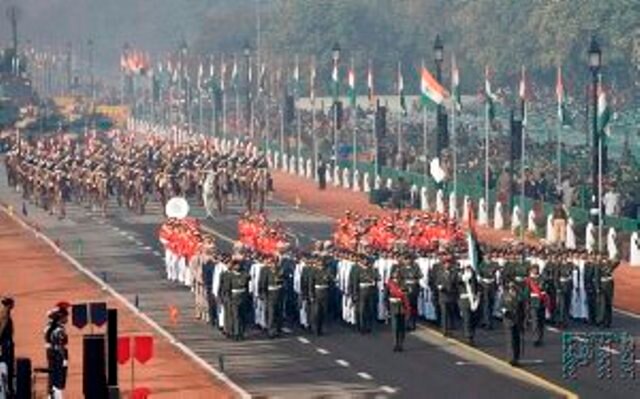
(123, 248)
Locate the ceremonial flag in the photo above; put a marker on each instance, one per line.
(489, 97)
(262, 78)
(312, 82)
(296, 76)
(472, 247)
(336, 80)
(403, 103)
(523, 96)
(563, 115)
(200, 75)
(455, 85)
(604, 111)
(430, 89)
(352, 87)
(223, 72)
(234, 73)
(370, 83)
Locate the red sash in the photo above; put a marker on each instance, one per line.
(396, 292)
(534, 287)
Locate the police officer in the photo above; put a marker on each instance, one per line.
(447, 294)
(56, 341)
(319, 281)
(365, 294)
(411, 274)
(399, 308)
(513, 319)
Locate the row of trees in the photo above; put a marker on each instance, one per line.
(501, 34)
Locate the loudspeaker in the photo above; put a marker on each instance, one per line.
(112, 347)
(23, 378)
(94, 379)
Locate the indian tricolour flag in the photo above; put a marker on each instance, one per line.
(403, 103)
(430, 89)
(335, 78)
(234, 73)
(370, 83)
(604, 111)
(489, 97)
(352, 87)
(455, 85)
(523, 96)
(561, 97)
(312, 81)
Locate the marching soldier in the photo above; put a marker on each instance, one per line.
(513, 319)
(590, 267)
(399, 308)
(412, 275)
(488, 286)
(604, 290)
(271, 290)
(468, 301)
(7, 347)
(239, 284)
(538, 301)
(319, 281)
(364, 291)
(56, 340)
(564, 287)
(447, 294)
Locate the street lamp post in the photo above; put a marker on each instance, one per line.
(335, 53)
(438, 51)
(595, 62)
(249, 111)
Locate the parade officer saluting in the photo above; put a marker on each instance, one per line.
(399, 308)
(56, 340)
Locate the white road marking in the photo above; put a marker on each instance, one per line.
(610, 350)
(463, 363)
(123, 233)
(322, 351)
(286, 330)
(140, 243)
(156, 253)
(303, 340)
(627, 313)
(388, 389)
(100, 221)
(148, 248)
(531, 361)
(131, 238)
(343, 363)
(116, 228)
(365, 376)
(553, 329)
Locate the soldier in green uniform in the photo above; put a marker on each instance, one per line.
(447, 293)
(468, 301)
(318, 282)
(513, 319)
(590, 287)
(434, 274)
(239, 281)
(411, 275)
(603, 281)
(399, 308)
(364, 291)
(488, 288)
(564, 288)
(225, 297)
(271, 290)
(536, 300)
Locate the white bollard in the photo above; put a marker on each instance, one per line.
(377, 184)
(590, 238)
(309, 173)
(498, 218)
(301, 167)
(531, 222)
(336, 176)
(424, 199)
(413, 194)
(389, 183)
(515, 218)
(483, 214)
(327, 175)
(292, 165)
(439, 202)
(634, 250)
(285, 162)
(612, 246)
(345, 178)
(570, 242)
(466, 204)
(550, 236)
(365, 183)
(453, 206)
(356, 180)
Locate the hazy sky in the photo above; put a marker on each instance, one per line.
(155, 25)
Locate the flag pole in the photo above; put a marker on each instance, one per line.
(560, 89)
(400, 88)
(425, 149)
(522, 164)
(453, 132)
(486, 152)
(298, 117)
(354, 115)
(600, 192)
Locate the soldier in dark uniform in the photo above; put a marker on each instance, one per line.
(434, 274)
(468, 301)
(488, 289)
(271, 290)
(365, 294)
(447, 294)
(208, 268)
(318, 287)
(239, 282)
(399, 308)
(603, 281)
(537, 299)
(411, 274)
(225, 297)
(7, 347)
(564, 288)
(590, 287)
(322, 170)
(56, 340)
(513, 319)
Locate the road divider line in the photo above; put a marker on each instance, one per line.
(365, 376)
(553, 330)
(342, 362)
(388, 389)
(322, 351)
(286, 330)
(304, 340)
